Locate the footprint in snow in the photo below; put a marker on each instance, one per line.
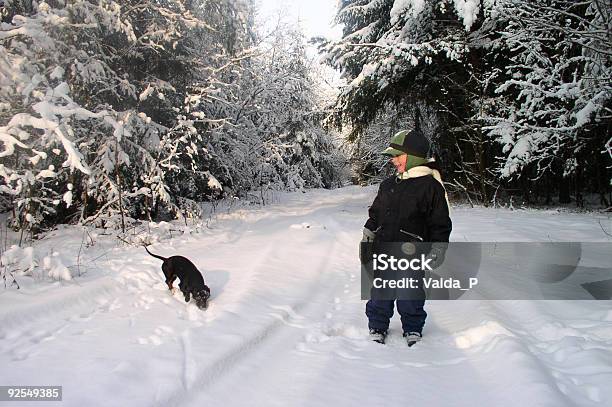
(144, 302)
(164, 330)
(158, 336)
(108, 306)
(191, 312)
(348, 356)
(80, 318)
(150, 340)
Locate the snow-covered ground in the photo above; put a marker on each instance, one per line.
(286, 325)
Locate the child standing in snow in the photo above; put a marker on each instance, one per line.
(410, 206)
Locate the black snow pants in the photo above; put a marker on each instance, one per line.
(412, 314)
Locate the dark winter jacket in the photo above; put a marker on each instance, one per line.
(409, 209)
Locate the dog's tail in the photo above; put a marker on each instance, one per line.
(155, 255)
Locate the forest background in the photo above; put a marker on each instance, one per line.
(112, 112)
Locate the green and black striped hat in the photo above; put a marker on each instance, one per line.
(408, 142)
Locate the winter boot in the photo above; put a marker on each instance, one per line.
(412, 337)
(378, 335)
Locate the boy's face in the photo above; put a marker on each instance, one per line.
(400, 162)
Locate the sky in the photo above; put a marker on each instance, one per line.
(314, 16)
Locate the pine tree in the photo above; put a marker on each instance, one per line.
(97, 125)
(557, 88)
(527, 82)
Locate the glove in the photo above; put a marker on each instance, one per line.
(366, 247)
(368, 235)
(437, 254)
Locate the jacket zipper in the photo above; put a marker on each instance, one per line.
(412, 234)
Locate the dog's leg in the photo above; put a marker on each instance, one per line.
(185, 290)
(170, 282)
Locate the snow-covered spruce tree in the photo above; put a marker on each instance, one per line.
(421, 57)
(556, 112)
(91, 103)
(295, 150)
(38, 112)
(263, 125)
(168, 46)
(203, 171)
(397, 50)
(486, 63)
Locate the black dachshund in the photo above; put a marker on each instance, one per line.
(191, 280)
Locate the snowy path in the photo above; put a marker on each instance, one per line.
(286, 325)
